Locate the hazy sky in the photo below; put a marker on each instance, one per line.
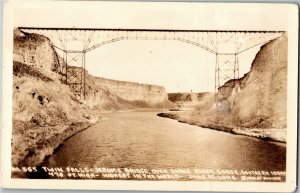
(177, 66)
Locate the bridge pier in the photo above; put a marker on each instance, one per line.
(76, 75)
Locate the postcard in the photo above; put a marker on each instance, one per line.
(183, 96)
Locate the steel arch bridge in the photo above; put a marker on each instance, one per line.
(224, 45)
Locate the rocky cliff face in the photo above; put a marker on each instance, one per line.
(254, 105)
(133, 91)
(200, 101)
(186, 97)
(259, 98)
(108, 94)
(45, 111)
(35, 50)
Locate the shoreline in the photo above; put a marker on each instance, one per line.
(268, 134)
(34, 152)
(35, 143)
(36, 148)
(41, 149)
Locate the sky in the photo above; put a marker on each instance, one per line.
(161, 62)
(178, 66)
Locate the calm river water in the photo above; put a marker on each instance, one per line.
(144, 140)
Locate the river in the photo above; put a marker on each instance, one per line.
(144, 140)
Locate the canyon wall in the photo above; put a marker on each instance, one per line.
(260, 97)
(200, 101)
(108, 94)
(46, 111)
(36, 51)
(188, 97)
(133, 91)
(254, 105)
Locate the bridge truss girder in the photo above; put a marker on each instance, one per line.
(73, 43)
